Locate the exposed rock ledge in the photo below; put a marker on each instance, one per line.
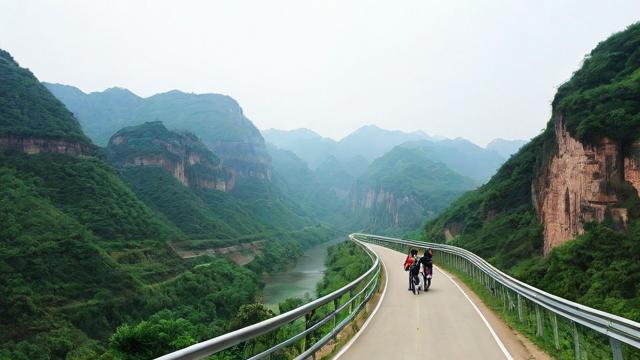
(578, 185)
(31, 145)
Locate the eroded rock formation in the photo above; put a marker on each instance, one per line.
(184, 156)
(386, 209)
(581, 183)
(32, 145)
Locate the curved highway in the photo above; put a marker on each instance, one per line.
(442, 323)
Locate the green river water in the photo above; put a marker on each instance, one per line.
(301, 279)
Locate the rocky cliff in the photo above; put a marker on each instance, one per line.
(183, 155)
(243, 158)
(31, 145)
(386, 210)
(582, 172)
(403, 188)
(581, 183)
(32, 120)
(217, 119)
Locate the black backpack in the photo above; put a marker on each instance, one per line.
(415, 268)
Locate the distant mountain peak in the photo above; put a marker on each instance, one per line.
(118, 90)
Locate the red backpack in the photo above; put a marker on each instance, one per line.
(408, 262)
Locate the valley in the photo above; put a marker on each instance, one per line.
(134, 226)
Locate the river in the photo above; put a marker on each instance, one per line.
(301, 279)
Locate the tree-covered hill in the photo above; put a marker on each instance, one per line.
(85, 248)
(29, 109)
(402, 188)
(217, 119)
(171, 171)
(461, 156)
(501, 220)
(316, 195)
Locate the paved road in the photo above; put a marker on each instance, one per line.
(439, 324)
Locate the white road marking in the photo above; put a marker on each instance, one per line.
(366, 323)
(493, 333)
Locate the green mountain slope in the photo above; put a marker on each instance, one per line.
(177, 175)
(29, 110)
(217, 119)
(461, 156)
(81, 254)
(402, 188)
(301, 184)
(359, 147)
(501, 222)
(357, 150)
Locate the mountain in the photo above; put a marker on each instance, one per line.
(563, 212)
(304, 186)
(182, 154)
(65, 214)
(32, 119)
(505, 148)
(176, 174)
(359, 147)
(217, 119)
(88, 250)
(372, 142)
(461, 156)
(332, 173)
(357, 150)
(402, 188)
(309, 146)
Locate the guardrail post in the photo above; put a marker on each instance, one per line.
(616, 348)
(576, 340)
(351, 303)
(539, 328)
(307, 323)
(336, 304)
(519, 307)
(556, 338)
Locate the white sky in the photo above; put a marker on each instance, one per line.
(479, 69)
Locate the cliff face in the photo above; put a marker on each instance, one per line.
(30, 145)
(32, 120)
(383, 209)
(217, 119)
(244, 158)
(182, 155)
(402, 188)
(581, 183)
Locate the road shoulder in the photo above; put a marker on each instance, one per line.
(518, 345)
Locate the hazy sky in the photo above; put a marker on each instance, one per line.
(479, 69)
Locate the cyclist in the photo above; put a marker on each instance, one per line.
(412, 257)
(427, 266)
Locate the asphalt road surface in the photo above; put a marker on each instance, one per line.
(441, 323)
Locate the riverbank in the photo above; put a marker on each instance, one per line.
(299, 281)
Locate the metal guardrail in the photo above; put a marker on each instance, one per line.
(514, 294)
(617, 329)
(360, 291)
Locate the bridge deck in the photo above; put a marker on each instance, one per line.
(439, 324)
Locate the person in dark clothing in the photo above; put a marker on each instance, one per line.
(427, 267)
(411, 259)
